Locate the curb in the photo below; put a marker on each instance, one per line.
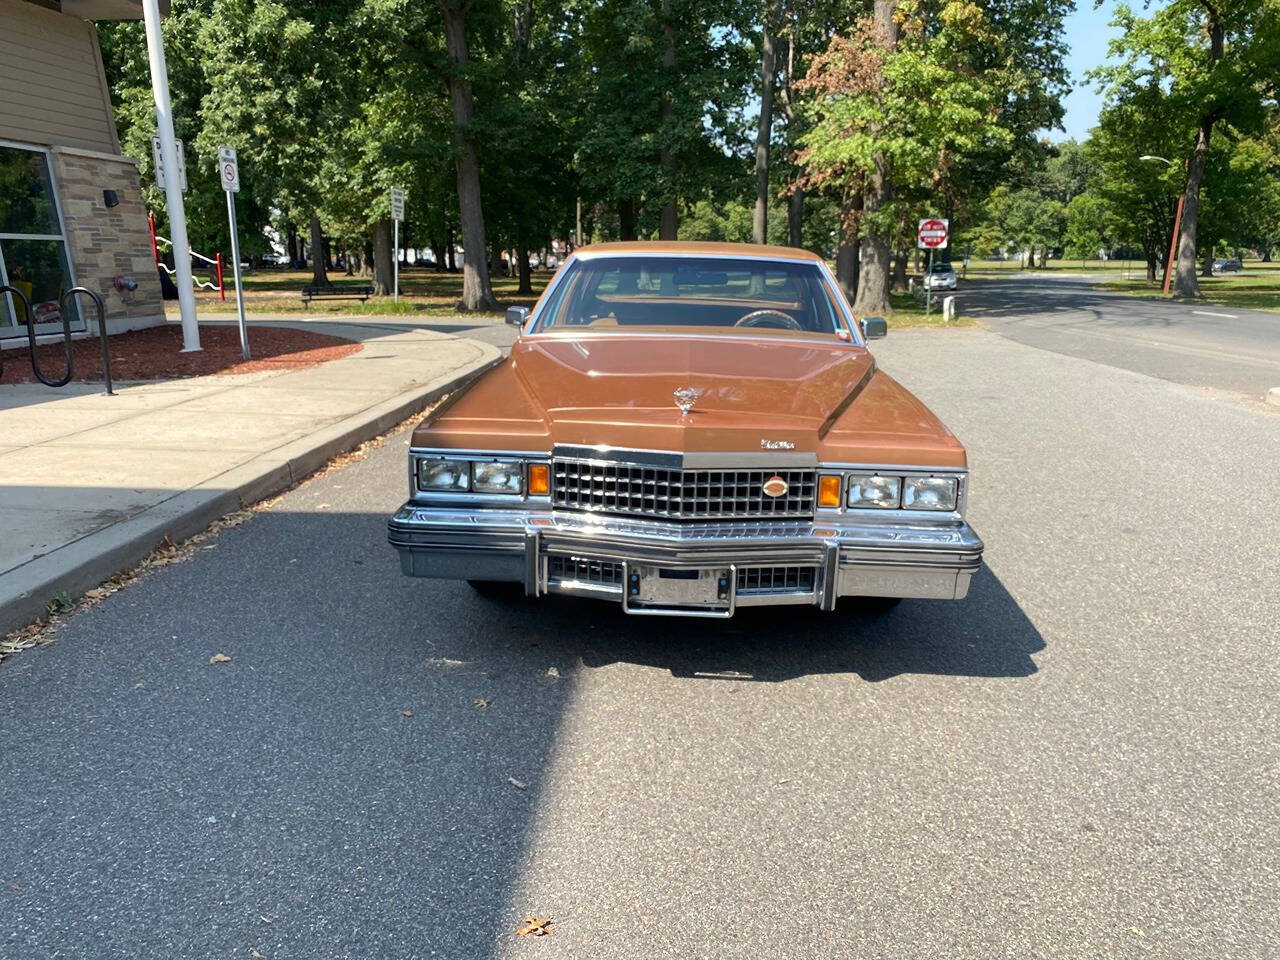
(123, 545)
(1273, 396)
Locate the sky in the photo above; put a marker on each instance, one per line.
(1087, 34)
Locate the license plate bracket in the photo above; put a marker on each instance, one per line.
(688, 591)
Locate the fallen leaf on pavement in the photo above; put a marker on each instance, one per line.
(518, 784)
(255, 955)
(97, 593)
(535, 927)
(406, 713)
(481, 702)
(14, 886)
(219, 658)
(553, 672)
(784, 780)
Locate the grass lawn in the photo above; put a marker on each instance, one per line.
(908, 312)
(1257, 288)
(425, 292)
(422, 292)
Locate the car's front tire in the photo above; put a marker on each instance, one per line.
(497, 589)
(877, 606)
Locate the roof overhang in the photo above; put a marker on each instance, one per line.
(107, 9)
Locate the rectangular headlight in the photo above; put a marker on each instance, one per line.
(503, 476)
(930, 493)
(874, 491)
(452, 475)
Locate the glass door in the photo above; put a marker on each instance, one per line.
(33, 249)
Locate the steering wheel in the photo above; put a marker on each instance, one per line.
(768, 318)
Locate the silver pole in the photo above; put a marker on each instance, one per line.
(235, 266)
(395, 266)
(173, 187)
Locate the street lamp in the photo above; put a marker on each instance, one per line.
(1177, 225)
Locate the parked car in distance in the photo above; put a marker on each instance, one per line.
(1229, 265)
(424, 262)
(941, 277)
(687, 429)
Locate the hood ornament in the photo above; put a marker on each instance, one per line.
(685, 398)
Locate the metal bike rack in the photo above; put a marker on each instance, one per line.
(66, 335)
(102, 329)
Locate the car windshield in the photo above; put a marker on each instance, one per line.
(942, 268)
(615, 293)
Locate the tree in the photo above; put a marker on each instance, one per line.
(891, 112)
(1220, 61)
(476, 291)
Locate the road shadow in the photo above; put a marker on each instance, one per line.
(363, 775)
(985, 635)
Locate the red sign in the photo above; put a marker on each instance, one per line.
(933, 234)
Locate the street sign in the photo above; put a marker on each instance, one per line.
(397, 204)
(932, 234)
(229, 169)
(159, 164)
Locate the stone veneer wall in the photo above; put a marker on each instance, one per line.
(103, 242)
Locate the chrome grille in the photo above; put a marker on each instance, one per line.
(679, 494)
(583, 570)
(758, 580)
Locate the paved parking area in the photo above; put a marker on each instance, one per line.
(1080, 760)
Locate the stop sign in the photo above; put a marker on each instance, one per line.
(933, 234)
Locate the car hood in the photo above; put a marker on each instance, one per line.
(752, 394)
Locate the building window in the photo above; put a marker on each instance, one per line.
(33, 248)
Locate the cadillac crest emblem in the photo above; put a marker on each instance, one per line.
(774, 487)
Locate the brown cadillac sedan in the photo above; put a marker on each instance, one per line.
(688, 429)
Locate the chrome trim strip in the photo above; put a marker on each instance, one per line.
(694, 460)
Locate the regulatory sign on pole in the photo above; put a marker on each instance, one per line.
(397, 203)
(229, 169)
(229, 174)
(159, 164)
(933, 234)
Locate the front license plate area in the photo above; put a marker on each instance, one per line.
(705, 591)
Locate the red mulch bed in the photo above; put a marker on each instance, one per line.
(154, 354)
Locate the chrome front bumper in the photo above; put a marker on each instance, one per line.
(626, 559)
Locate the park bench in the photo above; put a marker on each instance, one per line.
(336, 293)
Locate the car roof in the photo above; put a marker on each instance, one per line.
(674, 248)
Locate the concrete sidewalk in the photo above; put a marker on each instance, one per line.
(89, 484)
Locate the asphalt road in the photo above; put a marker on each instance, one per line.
(1200, 345)
(1080, 760)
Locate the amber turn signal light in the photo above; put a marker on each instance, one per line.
(540, 479)
(828, 491)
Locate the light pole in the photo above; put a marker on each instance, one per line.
(173, 188)
(1177, 225)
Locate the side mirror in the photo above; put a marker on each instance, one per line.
(873, 328)
(517, 316)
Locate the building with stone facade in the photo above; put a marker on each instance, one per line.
(71, 209)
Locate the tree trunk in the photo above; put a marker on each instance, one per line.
(847, 250)
(627, 218)
(1186, 283)
(476, 292)
(873, 275)
(319, 278)
(450, 254)
(1206, 261)
(1153, 265)
(347, 261)
(526, 273)
(795, 202)
(291, 242)
(900, 271)
(795, 217)
(670, 224)
(1266, 254)
(366, 268)
(383, 271)
(764, 129)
